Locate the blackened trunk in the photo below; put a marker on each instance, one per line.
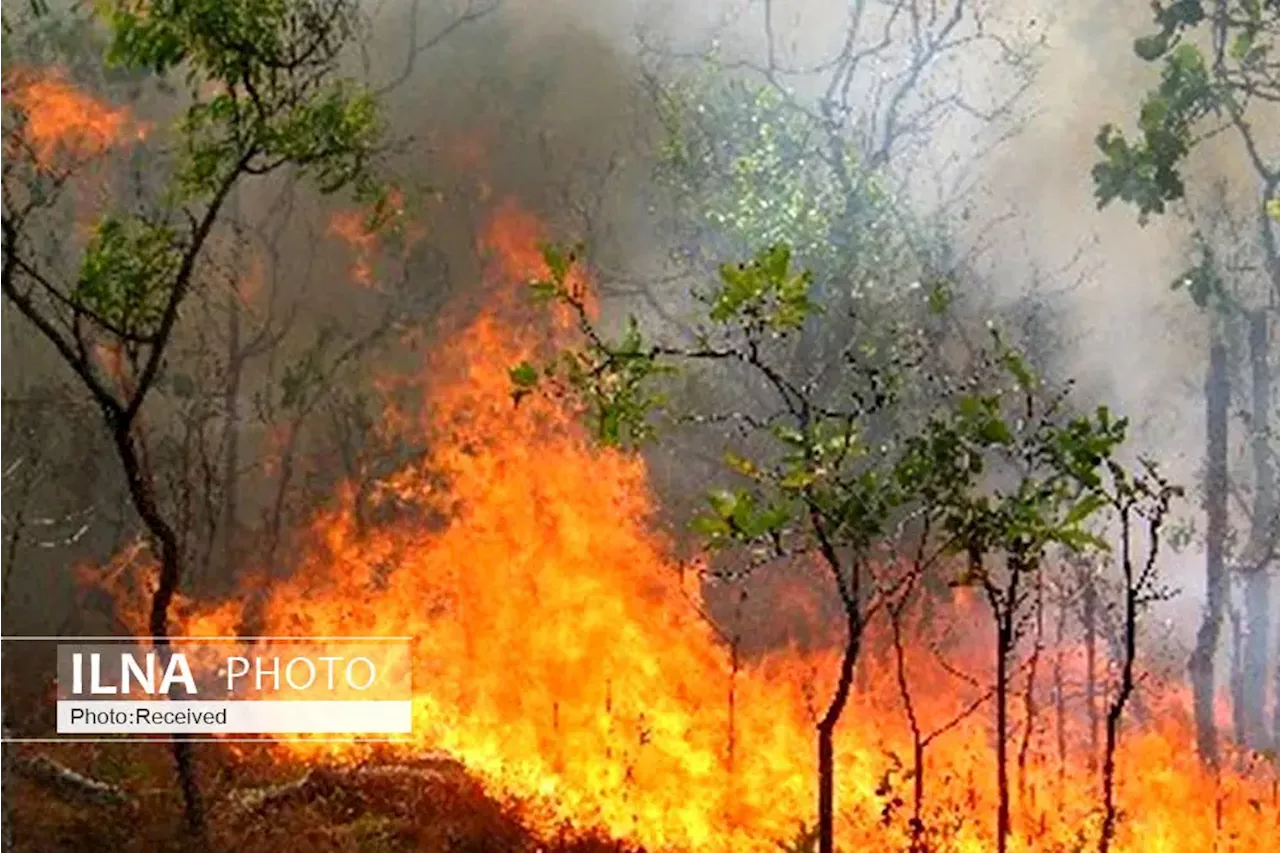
(1004, 647)
(827, 728)
(1201, 667)
(1115, 711)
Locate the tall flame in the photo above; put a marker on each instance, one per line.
(560, 658)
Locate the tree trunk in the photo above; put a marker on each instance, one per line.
(1201, 667)
(1004, 647)
(1091, 667)
(1257, 591)
(1235, 667)
(827, 728)
(1116, 710)
(143, 492)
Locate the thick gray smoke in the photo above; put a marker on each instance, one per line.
(552, 93)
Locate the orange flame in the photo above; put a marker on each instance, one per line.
(62, 120)
(558, 656)
(353, 228)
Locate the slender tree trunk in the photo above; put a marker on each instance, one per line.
(1235, 667)
(1116, 709)
(1256, 656)
(142, 491)
(1217, 395)
(1004, 608)
(1004, 647)
(1257, 588)
(827, 728)
(1029, 695)
(917, 737)
(1275, 715)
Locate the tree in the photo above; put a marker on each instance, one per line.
(817, 480)
(1142, 499)
(813, 486)
(263, 96)
(1220, 79)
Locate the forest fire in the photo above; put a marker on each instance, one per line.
(563, 651)
(560, 655)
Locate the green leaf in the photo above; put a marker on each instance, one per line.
(798, 479)
(524, 376)
(939, 298)
(127, 273)
(1151, 47)
(1082, 540)
(723, 502)
(1242, 44)
(1083, 509)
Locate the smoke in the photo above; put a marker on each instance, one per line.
(549, 95)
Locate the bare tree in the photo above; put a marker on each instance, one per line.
(1141, 500)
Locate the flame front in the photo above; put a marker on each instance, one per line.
(560, 658)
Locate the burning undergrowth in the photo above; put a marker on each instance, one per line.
(562, 659)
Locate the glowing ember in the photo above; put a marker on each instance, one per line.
(559, 658)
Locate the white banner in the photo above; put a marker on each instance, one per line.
(240, 717)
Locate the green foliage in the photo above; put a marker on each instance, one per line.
(228, 40)
(764, 291)
(737, 517)
(613, 379)
(126, 273)
(814, 482)
(264, 94)
(1063, 466)
(1146, 173)
(749, 168)
(1201, 281)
